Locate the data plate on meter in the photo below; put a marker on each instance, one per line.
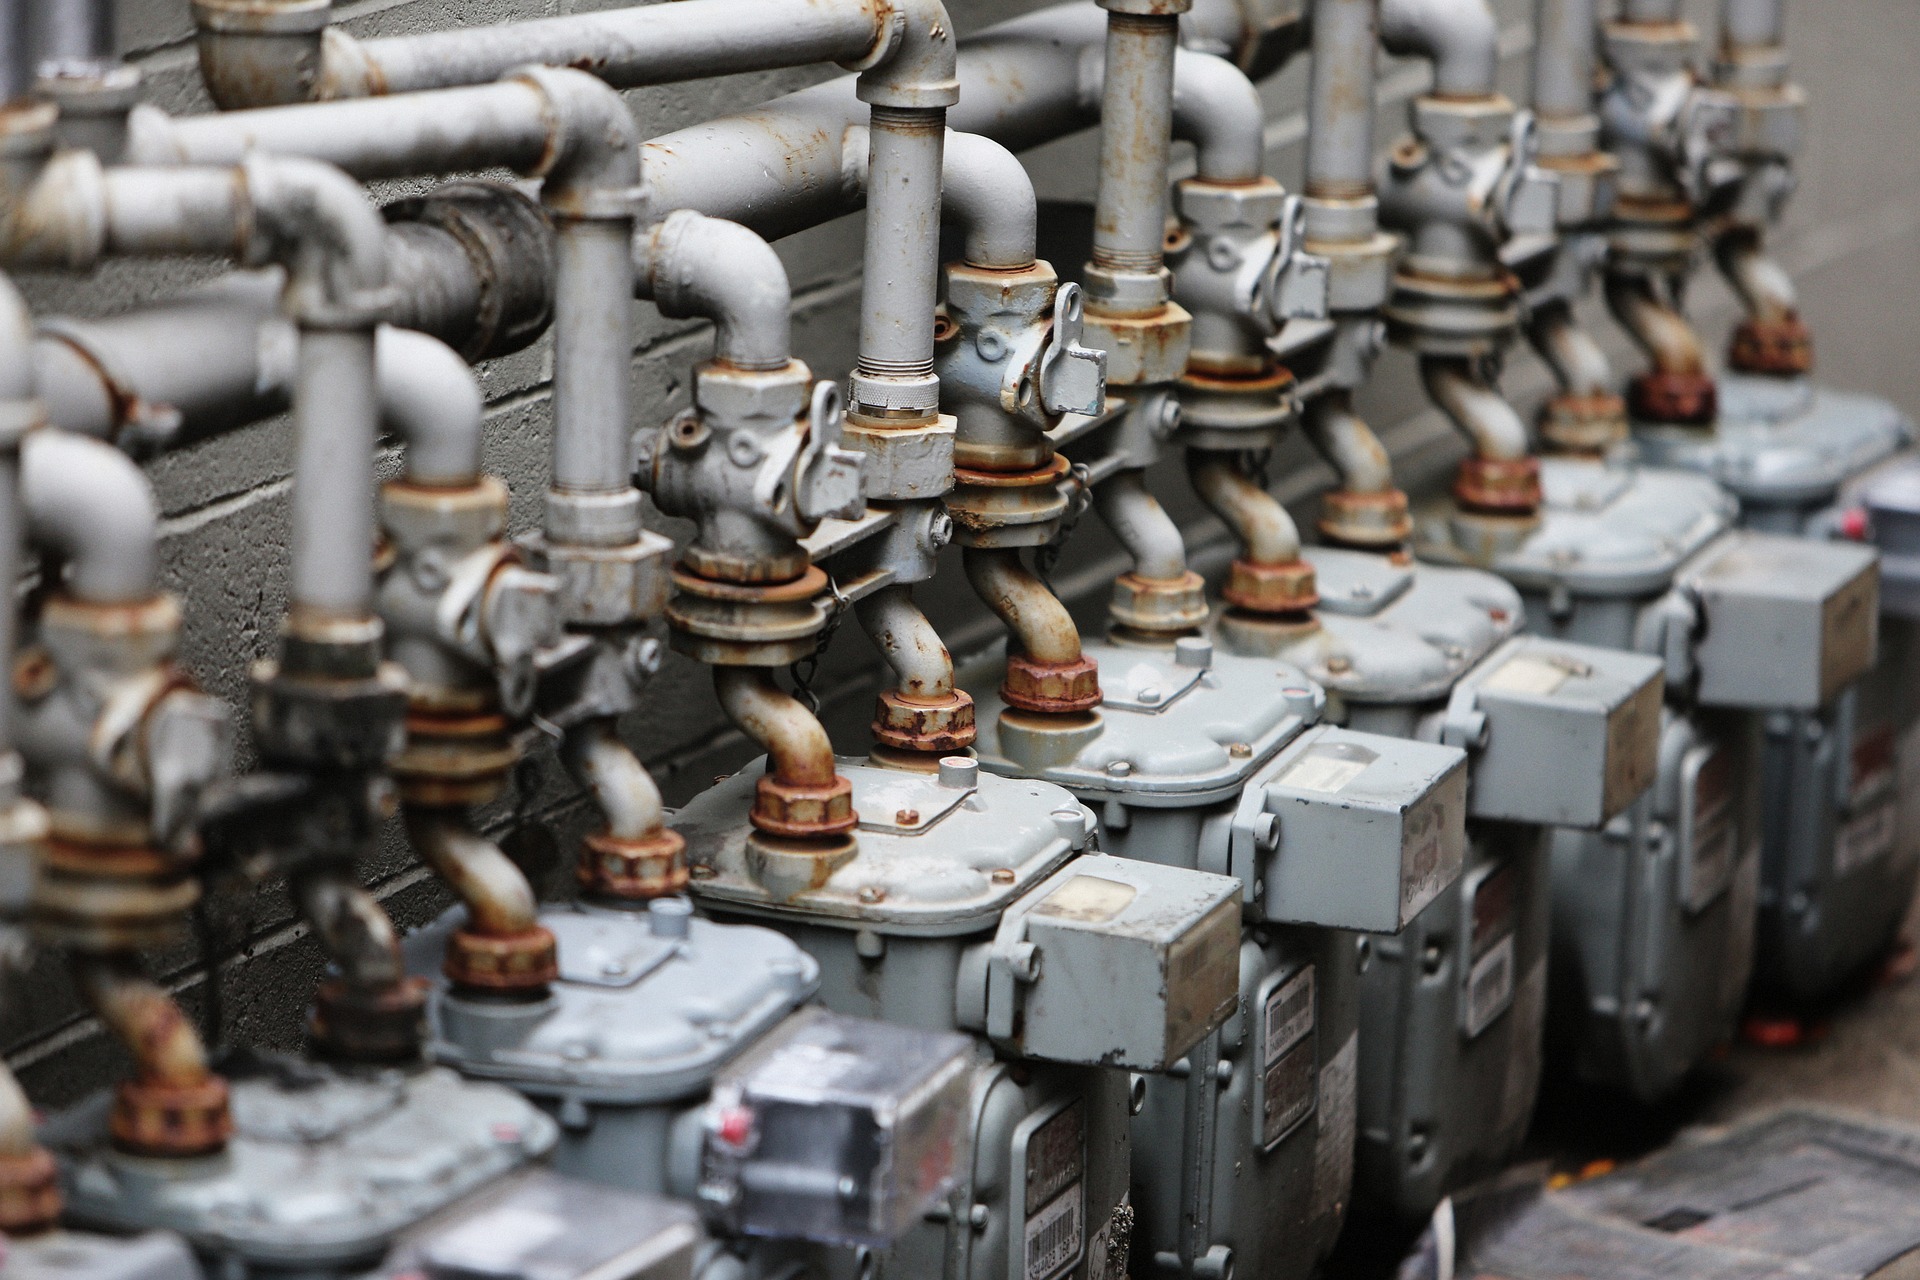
(1288, 1061)
(1050, 1150)
(1490, 975)
(1708, 835)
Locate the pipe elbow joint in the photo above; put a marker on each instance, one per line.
(915, 64)
(317, 222)
(1217, 108)
(91, 504)
(592, 166)
(1461, 38)
(262, 53)
(430, 398)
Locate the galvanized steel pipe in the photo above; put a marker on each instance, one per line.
(429, 398)
(16, 51)
(1136, 141)
(1347, 442)
(1340, 82)
(499, 901)
(1565, 49)
(1042, 628)
(1259, 521)
(1460, 37)
(795, 742)
(1142, 525)
(901, 266)
(693, 265)
(1751, 24)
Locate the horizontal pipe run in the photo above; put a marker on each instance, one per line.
(93, 508)
(693, 265)
(599, 760)
(796, 744)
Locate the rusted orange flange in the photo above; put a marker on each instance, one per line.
(524, 961)
(171, 1118)
(1684, 399)
(1499, 486)
(798, 810)
(363, 1025)
(1051, 687)
(633, 870)
(935, 727)
(1780, 348)
(1271, 588)
(1367, 520)
(1584, 424)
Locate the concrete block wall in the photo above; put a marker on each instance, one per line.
(1852, 238)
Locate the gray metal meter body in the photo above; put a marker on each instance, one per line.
(1244, 1154)
(324, 1170)
(1452, 1007)
(1839, 858)
(662, 1054)
(1653, 914)
(75, 1255)
(970, 902)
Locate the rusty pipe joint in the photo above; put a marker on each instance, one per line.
(922, 714)
(502, 949)
(1046, 670)
(262, 53)
(635, 858)
(174, 1106)
(802, 797)
(756, 465)
(1268, 577)
(1501, 478)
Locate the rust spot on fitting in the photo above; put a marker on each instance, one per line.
(1053, 688)
(804, 585)
(801, 810)
(1571, 424)
(521, 962)
(1682, 399)
(1159, 606)
(1499, 486)
(1366, 521)
(939, 727)
(29, 1193)
(104, 897)
(1235, 375)
(1271, 588)
(653, 866)
(171, 1118)
(1778, 348)
(357, 1024)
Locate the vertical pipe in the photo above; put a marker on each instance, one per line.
(1136, 144)
(1566, 37)
(73, 32)
(593, 349)
(1651, 11)
(16, 51)
(1340, 89)
(1750, 24)
(902, 267)
(336, 416)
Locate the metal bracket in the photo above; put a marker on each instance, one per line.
(1296, 285)
(827, 476)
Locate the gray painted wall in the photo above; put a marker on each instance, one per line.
(1853, 238)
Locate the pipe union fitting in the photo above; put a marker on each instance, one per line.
(1476, 123)
(730, 624)
(1051, 688)
(937, 728)
(1679, 399)
(522, 962)
(902, 462)
(803, 811)
(170, 1119)
(1143, 350)
(455, 520)
(1159, 606)
(29, 1192)
(1370, 521)
(1271, 588)
(355, 725)
(606, 586)
(1584, 424)
(1008, 509)
(632, 870)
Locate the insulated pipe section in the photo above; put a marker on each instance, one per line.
(1461, 38)
(1042, 628)
(599, 760)
(1565, 49)
(92, 506)
(1340, 94)
(1479, 410)
(1258, 520)
(1142, 526)
(904, 636)
(1136, 143)
(797, 747)
(693, 265)
(1347, 442)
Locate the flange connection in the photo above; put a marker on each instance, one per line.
(1365, 521)
(1779, 347)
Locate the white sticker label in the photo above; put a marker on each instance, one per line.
(1490, 986)
(1539, 677)
(1708, 829)
(1289, 1015)
(1333, 1147)
(1865, 839)
(1054, 1236)
(1327, 769)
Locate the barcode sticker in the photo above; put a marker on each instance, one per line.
(1054, 1236)
(1490, 986)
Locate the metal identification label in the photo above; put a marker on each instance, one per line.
(1707, 826)
(1865, 839)
(1289, 1061)
(1490, 987)
(1055, 1160)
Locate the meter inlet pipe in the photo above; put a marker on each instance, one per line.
(1773, 339)
(801, 797)
(1269, 578)
(1046, 671)
(174, 1104)
(1678, 389)
(1507, 479)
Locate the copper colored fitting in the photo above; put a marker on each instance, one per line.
(360, 1025)
(1271, 588)
(1051, 687)
(799, 810)
(29, 1193)
(1683, 399)
(633, 870)
(939, 728)
(103, 897)
(1369, 521)
(520, 962)
(1584, 424)
(1778, 348)
(171, 1118)
(1499, 486)
(454, 758)
(1159, 606)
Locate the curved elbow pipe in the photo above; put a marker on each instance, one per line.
(1142, 526)
(430, 399)
(909, 643)
(1578, 363)
(796, 743)
(919, 68)
(1042, 628)
(165, 1048)
(88, 503)
(1260, 523)
(599, 760)
(353, 929)
(692, 265)
(1762, 283)
(1347, 442)
(1460, 37)
(1477, 409)
(499, 901)
(1657, 328)
(1217, 109)
(985, 189)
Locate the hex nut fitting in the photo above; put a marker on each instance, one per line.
(654, 866)
(1142, 350)
(1475, 123)
(1371, 521)
(118, 638)
(1209, 208)
(1008, 508)
(453, 759)
(602, 586)
(1051, 687)
(1584, 424)
(1777, 348)
(30, 1199)
(928, 727)
(169, 1119)
(904, 461)
(801, 811)
(1271, 588)
(358, 725)
(1678, 399)
(353, 1024)
(1498, 486)
(416, 516)
(1159, 606)
(523, 962)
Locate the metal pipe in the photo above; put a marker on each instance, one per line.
(1217, 109)
(165, 1048)
(1565, 49)
(350, 924)
(1136, 141)
(1259, 521)
(1482, 414)
(16, 51)
(985, 189)
(1763, 284)
(16, 1119)
(19, 407)
(1750, 24)
(909, 643)
(599, 760)
(73, 32)
(1578, 363)
(1651, 11)
(1340, 92)
(335, 409)
(901, 267)
(1042, 628)
(88, 503)
(797, 745)
(693, 265)
(431, 400)
(1347, 442)
(1142, 525)
(1460, 37)
(499, 901)
(1658, 328)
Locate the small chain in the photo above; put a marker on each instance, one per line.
(806, 668)
(1046, 557)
